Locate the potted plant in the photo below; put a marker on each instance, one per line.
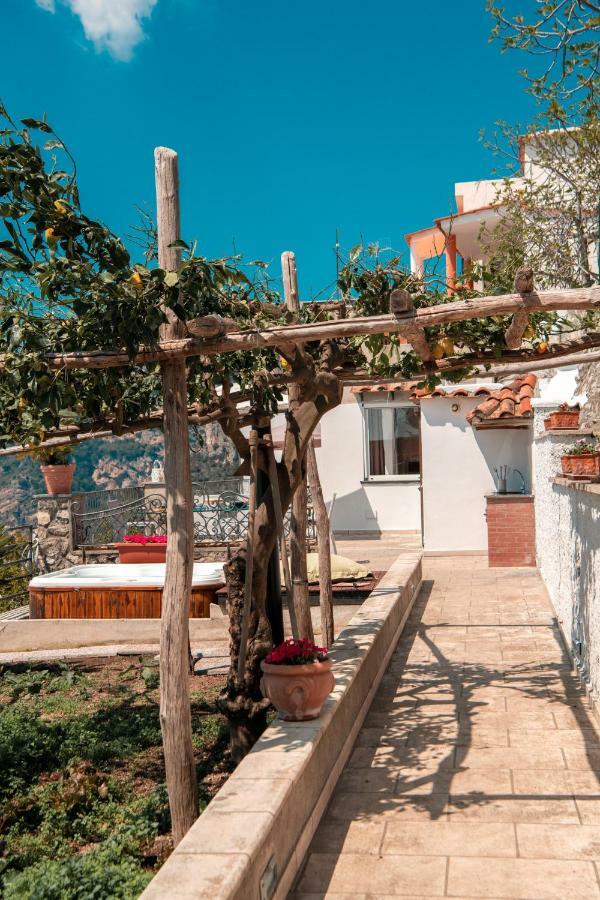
(297, 679)
(564, 417)
(57, 469)
(143, 548)
(582, 460)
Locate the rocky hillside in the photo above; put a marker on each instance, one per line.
(108, 464)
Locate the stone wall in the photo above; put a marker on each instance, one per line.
(54, 533)
(568, 549)
(53, 536)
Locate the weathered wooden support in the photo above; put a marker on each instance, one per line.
(253, 442)
(400, 302)
(255, 339)
(283, 554)
(175, 714)
(211, 326)
(523, 283)
(550, 360)
(323, 546)
(401, 305)
(577, 352)
(298, 547)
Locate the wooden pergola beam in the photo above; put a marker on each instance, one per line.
(456, 311)
(577, 352)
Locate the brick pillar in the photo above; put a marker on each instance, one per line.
(511, 530)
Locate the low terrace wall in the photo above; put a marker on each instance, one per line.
(251, 839)
(24, 635)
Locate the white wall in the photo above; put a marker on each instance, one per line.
(360, 505)
(568, 550)
(458, 471)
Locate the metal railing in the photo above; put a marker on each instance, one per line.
(17, 565)
(220, 516)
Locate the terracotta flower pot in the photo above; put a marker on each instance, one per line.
(562, 419)
(582, 465)
(141, 553)
(297, 692)
(58, 478)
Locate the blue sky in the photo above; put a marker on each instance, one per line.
(291, 119)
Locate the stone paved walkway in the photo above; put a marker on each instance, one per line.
(475, 774)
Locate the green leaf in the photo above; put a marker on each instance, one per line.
(38, 124)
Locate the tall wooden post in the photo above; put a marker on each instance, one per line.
(323, 546)
(300, 597)
(175, 714)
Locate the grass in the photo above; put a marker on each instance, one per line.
(83, 805)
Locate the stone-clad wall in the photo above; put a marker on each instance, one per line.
(54, 536)
(568, 549)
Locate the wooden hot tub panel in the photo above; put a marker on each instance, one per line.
(113, 603)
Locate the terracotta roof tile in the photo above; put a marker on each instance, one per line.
(512, 401)
(379, 388)
(508, 401)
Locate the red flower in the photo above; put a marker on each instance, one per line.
(145, 538)
(296, 653)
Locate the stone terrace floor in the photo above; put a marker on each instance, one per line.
(475, 774)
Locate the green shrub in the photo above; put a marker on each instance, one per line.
(106, 873)
(30, 745)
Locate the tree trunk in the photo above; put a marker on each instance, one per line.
(323, 546)
(298, 520)
(175, 714)
(298, 552)
(242, 701)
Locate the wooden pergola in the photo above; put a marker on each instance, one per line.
(211, 335)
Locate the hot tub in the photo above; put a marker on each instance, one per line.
(114, 591)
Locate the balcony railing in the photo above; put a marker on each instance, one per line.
(220, 515)
(17, 566)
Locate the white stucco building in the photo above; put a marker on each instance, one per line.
(391, 461)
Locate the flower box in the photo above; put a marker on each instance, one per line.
(141, 548)
(297, 679)
(563, 417)
(581, 465)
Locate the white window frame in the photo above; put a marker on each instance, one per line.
(375, 479)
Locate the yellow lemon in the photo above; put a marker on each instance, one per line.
(283, 363)
(443, 347)
(61, 207)
(136, 280)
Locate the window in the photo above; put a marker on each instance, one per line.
(392, 442)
